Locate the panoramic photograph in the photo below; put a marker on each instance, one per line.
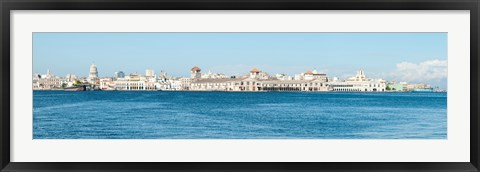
(239, 85)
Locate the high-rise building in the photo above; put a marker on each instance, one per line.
(119, 74)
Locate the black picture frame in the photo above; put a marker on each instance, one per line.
(8, 5)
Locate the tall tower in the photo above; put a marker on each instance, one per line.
(149, 73)
(254, 73)
(195, 73)
(360, 76)
(49, 74)
(163, 75)
(93, 72)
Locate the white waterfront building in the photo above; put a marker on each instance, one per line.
(259, 81)
(135, 82)
(359, 83)
(48, 81)
(107, 84)
(255, 80)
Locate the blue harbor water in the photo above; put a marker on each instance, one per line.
(238, 115)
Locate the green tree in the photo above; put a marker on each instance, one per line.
(388, 88)
(77, 83)
(64, 85)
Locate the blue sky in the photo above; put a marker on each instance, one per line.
(412, 57)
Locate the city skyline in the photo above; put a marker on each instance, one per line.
(391, 56)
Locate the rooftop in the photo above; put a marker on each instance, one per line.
(215, 80)
(255, 70)
(196, 68)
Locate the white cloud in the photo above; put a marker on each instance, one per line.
(421, 72)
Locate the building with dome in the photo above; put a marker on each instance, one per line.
(93, 74)
(252, 81)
